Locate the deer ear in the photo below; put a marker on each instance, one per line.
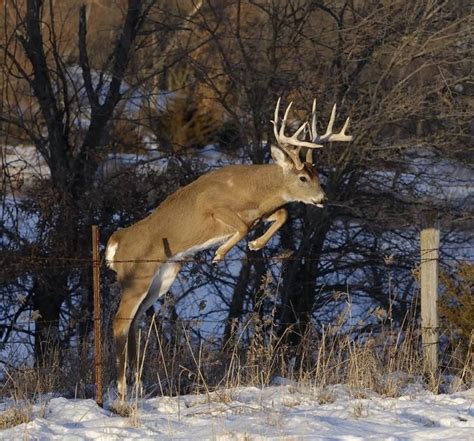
(281, 158)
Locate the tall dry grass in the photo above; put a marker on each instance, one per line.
(378, 357)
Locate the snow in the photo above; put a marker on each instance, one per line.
(24, 164)
(133, 99)
(248, 413)
(426, 177)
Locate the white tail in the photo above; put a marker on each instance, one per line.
(218, 209)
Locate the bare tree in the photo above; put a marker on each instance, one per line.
(69, 138)
(400, 69)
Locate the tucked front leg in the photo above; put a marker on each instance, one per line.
(233, 220)
(278, 218)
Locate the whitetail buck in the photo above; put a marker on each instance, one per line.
(219, 208)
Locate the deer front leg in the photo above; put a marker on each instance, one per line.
(278, 218)
(229, 218)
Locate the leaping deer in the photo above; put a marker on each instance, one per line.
(219, 208)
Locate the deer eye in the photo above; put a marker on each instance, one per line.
(303, 179)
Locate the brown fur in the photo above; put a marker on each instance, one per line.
(224, 204)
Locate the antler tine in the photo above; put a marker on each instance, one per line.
(341, 136)
(280, 136)
(329, 136)
(313, 131)
(303, 127)
(328, 133)
(291, 144)
(277, 110)
(285, 117)
(275, 119)
(294, 141)
(295, 154)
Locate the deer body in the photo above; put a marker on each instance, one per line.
(188, 219)
(217, 209)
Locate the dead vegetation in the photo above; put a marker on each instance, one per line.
(385, 362)
(14, 416)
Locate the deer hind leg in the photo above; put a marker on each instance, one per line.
(278, 218)
(230, 219)
(161, 283)
(132, 296)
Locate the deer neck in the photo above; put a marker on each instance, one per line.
(273, 186)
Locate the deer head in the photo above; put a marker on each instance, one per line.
(301, 178)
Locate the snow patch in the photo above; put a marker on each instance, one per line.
(270, 413)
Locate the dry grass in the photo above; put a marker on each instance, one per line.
(173, 362)
(360, 411)
(14, 416)
(70, 374)
(26, 386)
(385, 362)
(325, 396)
(126, 410)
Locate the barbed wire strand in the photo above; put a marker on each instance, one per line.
(379, 257)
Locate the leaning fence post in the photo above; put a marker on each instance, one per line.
(97, 315)
(429, 244)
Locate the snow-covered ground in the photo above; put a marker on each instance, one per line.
(277, 412)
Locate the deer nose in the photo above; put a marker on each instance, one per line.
(320, 201)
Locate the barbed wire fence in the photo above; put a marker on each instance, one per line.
(97, 262)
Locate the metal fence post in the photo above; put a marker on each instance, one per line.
(97, 315)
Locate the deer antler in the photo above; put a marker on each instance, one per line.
(290, 144)
(329, 136)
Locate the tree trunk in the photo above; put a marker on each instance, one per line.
(299, 281)
(237, 303)
(49, 293)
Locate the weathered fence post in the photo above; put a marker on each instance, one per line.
(429, 244)
(97, 315)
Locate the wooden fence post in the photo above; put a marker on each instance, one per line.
(429, 244)
(97, 315)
